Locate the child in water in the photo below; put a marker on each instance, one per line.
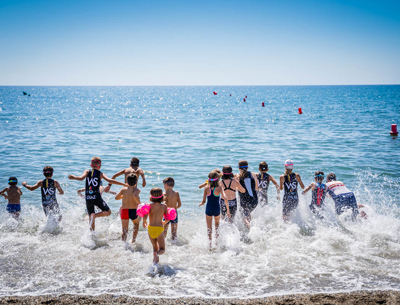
(48, 188)
(289, 181)
(14, 194)
(156, 224)
(212, 192)
(133, 169)
(230, 184)
(92, 191)
(206, 182)
(318, 194)
(130, 201)
(172, 200)
(263, 184)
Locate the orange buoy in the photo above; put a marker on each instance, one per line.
(394, 131)
(300, 111)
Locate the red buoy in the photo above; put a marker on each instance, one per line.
(244, 100)
(263, 104)
(245, 96)
(300, 112)
(215, 93)
(394, 132)
(230, 94)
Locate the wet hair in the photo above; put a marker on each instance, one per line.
(218, 172)
(135, 161)
(213, 175)
(263, 166)
(13, 181)
(48, 171)
(319, 175)
(331, 176)
(169, 181)
(156, 192)
(243, 165)
(227, 169)
(132, 179)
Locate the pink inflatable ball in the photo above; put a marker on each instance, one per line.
(143, 209)
(171, 214)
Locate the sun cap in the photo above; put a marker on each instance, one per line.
(289, 164)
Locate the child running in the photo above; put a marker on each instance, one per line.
(206, 182)
(133, 169)
(48, 188)
(92, 191)
(156, 225)
(212, 192)
(318, 194)
(289, 181)
(130, 201)
(263, 184)
(14, 194)
(172, 200)
(230, 184)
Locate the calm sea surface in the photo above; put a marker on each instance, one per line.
(185, 132)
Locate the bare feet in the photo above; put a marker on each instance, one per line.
(156, 259)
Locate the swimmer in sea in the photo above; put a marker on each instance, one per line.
(263, 184)
(93, 197)
(48, 187)
(156, 224)
(289, 181)
(318, 194)
(133, 169)
(344, 199)
(230, 184)
(212, 193)
(172, 200)
(13, 193)
(248, 199)
(130, 201)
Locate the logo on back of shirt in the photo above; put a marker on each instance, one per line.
(49, 191)
(291, 186)
(93, 181)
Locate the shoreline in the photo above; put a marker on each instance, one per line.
(356, 297)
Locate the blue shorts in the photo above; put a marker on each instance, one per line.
(344, 202)
(175, 220)
(13, 208)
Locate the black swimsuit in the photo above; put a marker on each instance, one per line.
(232, 203)
(49, 200)
(92, 192)
(249, 199)
(263, 185)
(290, 198)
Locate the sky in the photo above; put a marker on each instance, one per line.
(162, 43)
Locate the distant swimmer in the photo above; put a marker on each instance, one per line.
(289, 182)
(133, 169)
(48, 188)
(130, 201)
(25, 93)
(93, 197)
(263, 184)
(211, 194)
(172, 200)
(156, 225)
(318, 194)
(248, 199)
(13, 194)
(344, 199)
(230, 184)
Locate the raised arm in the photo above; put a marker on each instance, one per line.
(281, 181)
(58, 187)
(112, 181)
(2, 193)
(32, 188)
(79, 178)
(204, 197)
(121, 172)
(299, 180)
(143, 178)
(238, 186)
(19, 191)
(80, 192)
(308, 188)
(119, 195)
(256, 180)
(272, 179)
(203, 185)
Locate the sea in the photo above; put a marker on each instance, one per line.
(184, 133)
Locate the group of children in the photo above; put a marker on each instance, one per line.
(219, 195)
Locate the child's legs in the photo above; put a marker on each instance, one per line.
(161, 244)
(92, 223)
(155, 249)
(209, 226)
(216, 222)
(166, 226)
(174, 230)
(136, 223)
(125, 228)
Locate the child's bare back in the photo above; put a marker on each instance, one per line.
(13, 194)
(130, 197)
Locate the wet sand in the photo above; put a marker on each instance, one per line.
(357, 297)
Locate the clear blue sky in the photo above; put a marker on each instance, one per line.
(287, 42)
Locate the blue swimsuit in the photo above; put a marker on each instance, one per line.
(212, 206)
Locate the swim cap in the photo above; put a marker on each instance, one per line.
(12, 181)
(289, 164)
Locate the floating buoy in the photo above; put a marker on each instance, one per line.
(245, 96)
(230, 94)
(300, 112)
(244, 100)
(394, 132)
(215, 93)
(263, 104)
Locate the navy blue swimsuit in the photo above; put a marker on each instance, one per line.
(212, 206)
(92, 192)
(49, 200)
(291, 197)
